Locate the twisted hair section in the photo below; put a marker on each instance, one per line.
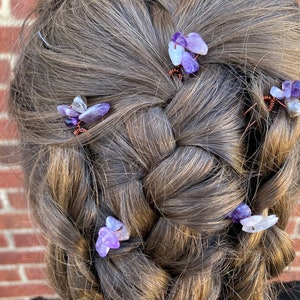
(172, 158)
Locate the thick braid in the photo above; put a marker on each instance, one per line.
(172, 159)
(68, 212)
(273, 186)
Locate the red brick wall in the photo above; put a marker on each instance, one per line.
(21, 246)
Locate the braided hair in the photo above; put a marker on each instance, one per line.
(172, 158)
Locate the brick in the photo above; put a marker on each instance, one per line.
(11, 179)
(1, 203)
(17, 200)
(22, 9)
(289, 276)
(8, 130)
(3, 100)
(25, 290)
(29, 240)
(296, 261)
(297, 228)
(3, 241)
(10, 35)
(15, 221)
(5, 71)
(21, 257)
(10, 155)
(291, 226)
(9, 275)
(296, 243)
(296, 211)
(35, 273)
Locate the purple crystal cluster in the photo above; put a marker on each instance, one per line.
(290, 94)
(110, 236)
(251, 224)
(78, 111)
(184, 50)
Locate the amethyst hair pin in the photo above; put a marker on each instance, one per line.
(251, 223)
(78, 114)
(184, 51)
(110, 236)
(290, 95)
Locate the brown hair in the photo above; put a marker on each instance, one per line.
(171, 159)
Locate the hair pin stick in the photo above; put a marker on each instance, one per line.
(184, 51)
(111, 235)
(78, 114)
(251, 223)
(290, 94)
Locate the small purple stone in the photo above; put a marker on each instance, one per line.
(62, 109)
(287, 88)
(95, 112)
(189, 63)
(71, 122)
(296, 89)
(196, 44)
(179, 38)
(108, 238)
(67, 111)
(241, 212)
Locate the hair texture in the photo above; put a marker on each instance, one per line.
(172, 158)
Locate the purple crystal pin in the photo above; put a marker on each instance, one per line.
(78, 112)
(111, 235)
(241, 212)
(290, 94)
(251, 224)
(258, 223)
(184, 51)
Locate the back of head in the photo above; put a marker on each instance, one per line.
(172, 158)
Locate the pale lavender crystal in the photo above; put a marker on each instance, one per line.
(295, 90)
(79, 104)
(241, 212)
(287, 88)
(175, 53)
(179, 38)
(78, 111)
(106, 240)
(277, 93)
(118, 227)
(95, 112)
(290, 89)
(189, 63)
(67, 111)
(109, 237)
(182, 50)
(196, 44)
(62, 109)
(258, 223)
(293, 106)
